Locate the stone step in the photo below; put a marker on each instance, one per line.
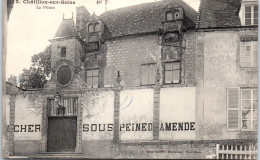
(58, 155)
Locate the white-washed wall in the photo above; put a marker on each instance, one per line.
(177, 105)
(136, 110)
(28, 117)
(98, 115)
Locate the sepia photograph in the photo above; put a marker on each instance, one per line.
(130, 79)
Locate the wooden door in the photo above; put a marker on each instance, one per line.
(62, 134)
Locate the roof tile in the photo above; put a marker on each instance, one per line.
(219, 13)
(143, 18)
(66, 29)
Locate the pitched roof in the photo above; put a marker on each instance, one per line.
(66, 29)
(93, 16)
(219, 13)
(142, 18)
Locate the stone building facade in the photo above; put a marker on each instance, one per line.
(155, 80)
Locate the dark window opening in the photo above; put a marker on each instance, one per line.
(63, 51)
(97, 28)
(90, 28)
(92, 47)
(70, 105)
(171, 37)
(176, 15)
(64, 75)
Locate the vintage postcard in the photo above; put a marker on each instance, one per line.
(170, 79)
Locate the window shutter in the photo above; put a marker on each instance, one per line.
(144, 74)
(109, 77)
(233, 97)
(152, 71)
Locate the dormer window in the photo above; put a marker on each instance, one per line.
(90, 28)
(249, 13)
(169, 16)
(97, 28)
(176, 15)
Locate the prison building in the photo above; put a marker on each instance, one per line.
(154, 80)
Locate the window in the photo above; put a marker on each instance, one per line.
(92, 78)
(251, 15)
(92, 46)
(249, 109)
(249, 54)
(90, 28)
(171, 37)
(169, 16)
(97, 27)
(70, 105)
(63, 51)
(148, 74)
(176, 15)
(242, 109)
(172, 72)
(64, 75)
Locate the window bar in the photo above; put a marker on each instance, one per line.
(68, 106)
(76, 106)
(71, 106)
(70, 109)
(53, 108)
(49, 106)
(63, 103)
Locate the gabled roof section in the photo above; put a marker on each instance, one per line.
(66, 29)
(219, 13)
(143, 18)
(93, 17)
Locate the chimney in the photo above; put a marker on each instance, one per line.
(12, 80)
(82, 16)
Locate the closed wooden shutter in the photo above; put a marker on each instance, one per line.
(109, 77)
(233, 97)
(152, 71)
(145, 73)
